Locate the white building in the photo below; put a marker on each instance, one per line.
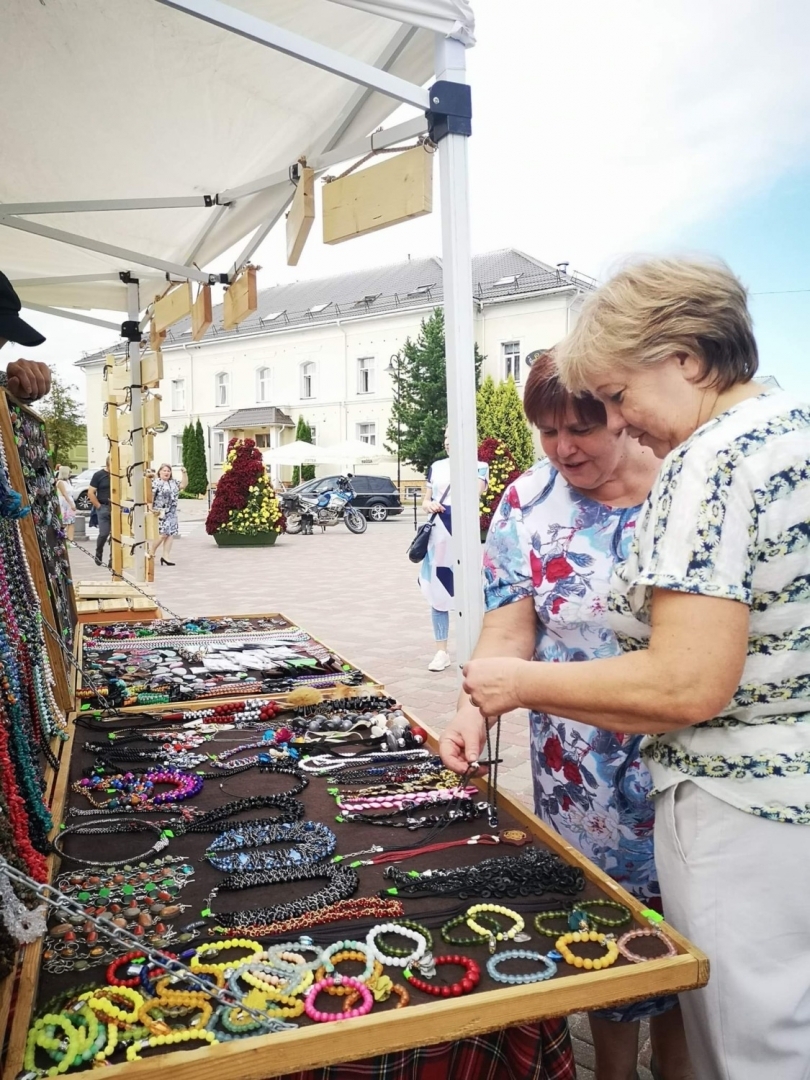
(322, 349)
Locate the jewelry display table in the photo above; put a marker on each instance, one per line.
(427, 1019)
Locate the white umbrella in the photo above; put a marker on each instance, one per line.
(352, 452)
(294, 453)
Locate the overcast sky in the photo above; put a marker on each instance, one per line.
(606, 129)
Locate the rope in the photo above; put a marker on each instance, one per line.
(423, 141)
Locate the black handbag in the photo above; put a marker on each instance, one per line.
(419, 545)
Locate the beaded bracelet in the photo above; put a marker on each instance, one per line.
(468, 982)
(340, 988)
(216, 946)
(399, 960)
(394, 950)
(187, 1035)
(543, 916)
(609, 958)
(325, 984)
(37, 1036)
(400, 992)
(100, 1002)
(501, 935)
(549, 967)
(460, 920)
(587, 906)
(636, 958)
(264, 976)
(366, 949)
(279, 955)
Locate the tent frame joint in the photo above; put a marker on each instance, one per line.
(450, 111)
(131, 330)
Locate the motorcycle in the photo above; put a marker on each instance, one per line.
(326, 509)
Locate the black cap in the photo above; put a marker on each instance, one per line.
(12, 327)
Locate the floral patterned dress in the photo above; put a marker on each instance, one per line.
(559, 547)
(165, 495)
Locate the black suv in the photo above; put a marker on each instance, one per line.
(374, 496)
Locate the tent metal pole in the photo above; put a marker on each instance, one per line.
(460, 351)
(124, 255)
(202, 235)
(94, 205)
(410, 129)
(139, 513)
(71, 315)
(311, 52)
(69, 279)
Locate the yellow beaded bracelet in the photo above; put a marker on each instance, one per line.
(217, 946)
(38, 1037)
(609, 958)
(133, 1051)
(491, 935)
(112, 1042)
(99, 1002)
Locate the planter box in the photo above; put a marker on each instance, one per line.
(229, 539)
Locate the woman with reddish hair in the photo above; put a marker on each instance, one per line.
(555, 538)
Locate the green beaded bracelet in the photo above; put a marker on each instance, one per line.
(397, 950)
(544, 930)
(476, 939)
(587, 906)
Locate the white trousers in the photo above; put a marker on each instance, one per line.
(738, 886)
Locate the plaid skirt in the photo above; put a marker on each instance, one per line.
(539, 1051)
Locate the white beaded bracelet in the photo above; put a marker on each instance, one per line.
(403, 931)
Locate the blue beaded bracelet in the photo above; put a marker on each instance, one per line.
(550, 968)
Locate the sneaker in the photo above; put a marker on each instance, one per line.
(440, 661)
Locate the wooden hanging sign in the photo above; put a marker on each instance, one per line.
(201, 314)
(301, 216)
(172, 307)
(241, 299)
(363, 202)
(151, 368)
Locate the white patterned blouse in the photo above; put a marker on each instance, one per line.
(729, 517)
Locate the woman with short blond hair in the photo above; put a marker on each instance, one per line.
(712, 609)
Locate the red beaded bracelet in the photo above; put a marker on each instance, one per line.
(116, 964)
(469, 982)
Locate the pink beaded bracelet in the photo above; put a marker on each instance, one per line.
(636, 958)
(324, 1017)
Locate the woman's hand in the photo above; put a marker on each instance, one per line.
(493, 684)
(433, 507)
(463, 739)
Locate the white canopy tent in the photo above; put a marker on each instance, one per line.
(294, 453)
(144, 138)
(352, 452)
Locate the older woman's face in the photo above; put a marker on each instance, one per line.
(586, 455)
(658, 404)
(165, 473)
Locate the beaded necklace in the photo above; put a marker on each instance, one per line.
(311, 843)
(343, 882)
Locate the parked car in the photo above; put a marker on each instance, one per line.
(80, 483)
(375, 496)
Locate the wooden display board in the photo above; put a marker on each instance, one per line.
(368, 685)
(417, 1025)
(50, 570)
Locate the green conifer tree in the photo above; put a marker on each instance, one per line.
(419, 414)
(303, 433)
(485, 409)
(187, 452)
(196, 469)
(510, 424)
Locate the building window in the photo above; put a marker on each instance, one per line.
(263, 384)
(308, 380)
(313, 430)
(177, 449)
(178, 395)
(511, 360)
(365, 375)
(367, 433)
(262, 440)
(219, 447)
(222, 381)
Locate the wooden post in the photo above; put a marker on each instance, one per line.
(202, 315)
(241, 299)
(301, 215)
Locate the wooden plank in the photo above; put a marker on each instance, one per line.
(120, 603)
(116, 470)
(151, 368)
(172, 307)
(202, 314)
(241, 299)
(397, 190)
(87, 607)
(301, 216)
(150, 411)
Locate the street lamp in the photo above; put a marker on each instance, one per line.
(393, 369)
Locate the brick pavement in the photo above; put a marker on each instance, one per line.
(359, 595)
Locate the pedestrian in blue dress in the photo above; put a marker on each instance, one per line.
(165, 495)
